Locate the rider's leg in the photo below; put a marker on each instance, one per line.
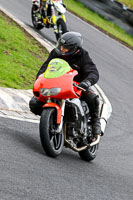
(44, 8)
(92, 101)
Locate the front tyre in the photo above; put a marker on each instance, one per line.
(88, 154)
(51, 141)
(37, 23)
(61, 28)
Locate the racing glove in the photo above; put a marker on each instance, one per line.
(85, 85)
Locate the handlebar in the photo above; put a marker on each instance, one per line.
(77, 86)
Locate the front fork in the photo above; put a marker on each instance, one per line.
(60, 113)
(60, 126)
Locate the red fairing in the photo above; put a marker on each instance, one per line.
(65, 82)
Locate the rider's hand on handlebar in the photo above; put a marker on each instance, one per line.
(85, 84)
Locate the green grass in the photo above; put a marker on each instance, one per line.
(20, 56)
(98, 21)
(128, 3)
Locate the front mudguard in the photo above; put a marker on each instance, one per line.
(59, 111)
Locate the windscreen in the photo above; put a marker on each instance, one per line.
(56, 67)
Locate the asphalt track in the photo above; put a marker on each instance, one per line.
(26, 173)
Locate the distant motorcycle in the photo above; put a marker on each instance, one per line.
(65, 119)
(49, 14)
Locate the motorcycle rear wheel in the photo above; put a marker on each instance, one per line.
(35, 23)
(61, 27)
(88, 154)
(52, 142)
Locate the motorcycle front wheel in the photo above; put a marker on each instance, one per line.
(51, 141)
(61, 28)
(36, 23)
(88, 154)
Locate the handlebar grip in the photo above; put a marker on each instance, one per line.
(74, 84)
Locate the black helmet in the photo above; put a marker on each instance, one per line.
(70, 40)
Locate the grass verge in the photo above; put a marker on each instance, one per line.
(99, 22)
(128, 3)
(20, 55)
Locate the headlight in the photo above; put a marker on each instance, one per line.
(50, 92)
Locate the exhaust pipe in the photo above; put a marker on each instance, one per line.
(78, 149)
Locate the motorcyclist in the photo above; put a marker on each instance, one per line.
(69, 48)
(43, 11)
(48, 11)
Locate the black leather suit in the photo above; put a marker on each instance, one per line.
(87, 70)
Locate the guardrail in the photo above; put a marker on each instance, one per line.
(113, 11)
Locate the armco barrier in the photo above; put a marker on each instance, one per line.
(113, 11)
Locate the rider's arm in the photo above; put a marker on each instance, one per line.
(89, 69)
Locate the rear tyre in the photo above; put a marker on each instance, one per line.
(51, 141)
(88, 154)
(36, 22)
(61, 28)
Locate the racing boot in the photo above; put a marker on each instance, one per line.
(95, 119)
(93, 103)
(96, 125)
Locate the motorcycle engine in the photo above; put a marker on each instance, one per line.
(75, 119)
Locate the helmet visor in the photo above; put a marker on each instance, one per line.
(64, 49)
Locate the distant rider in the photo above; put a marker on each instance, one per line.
(70, 49)
(48, 12)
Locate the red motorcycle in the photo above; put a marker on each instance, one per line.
(65, 119)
